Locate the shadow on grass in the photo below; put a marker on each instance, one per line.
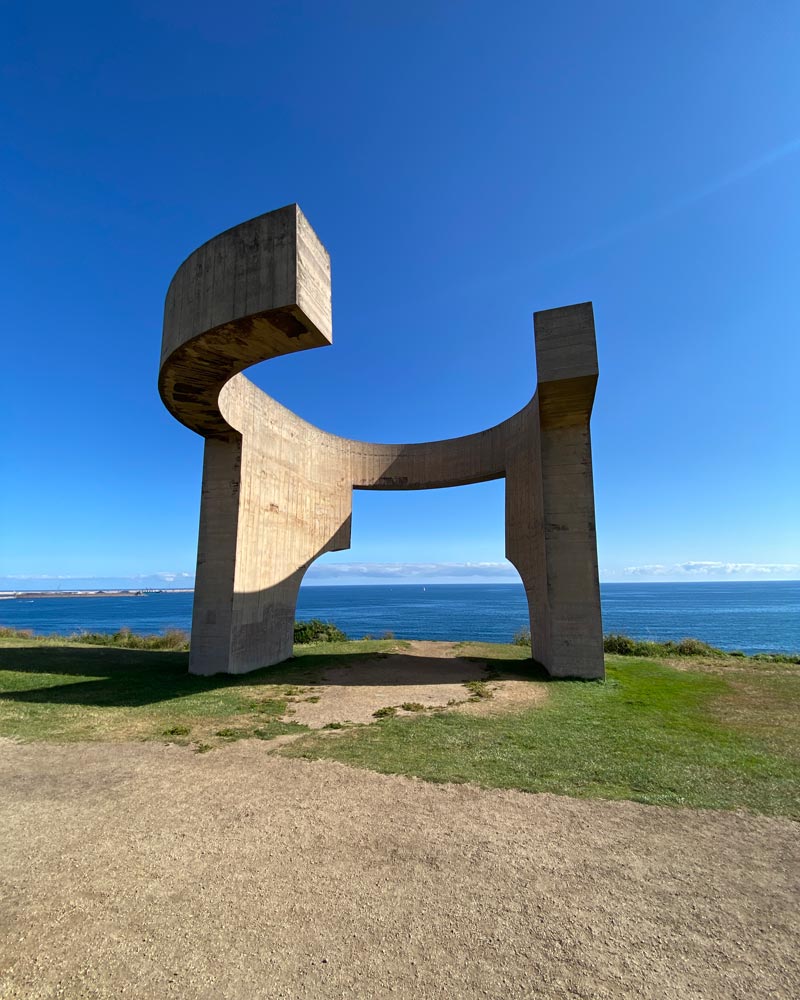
(108, 676)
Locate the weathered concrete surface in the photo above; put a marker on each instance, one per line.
(277, 491)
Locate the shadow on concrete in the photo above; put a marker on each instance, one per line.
(115, 677)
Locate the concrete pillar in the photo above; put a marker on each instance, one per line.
(570, 640)
(212, 617)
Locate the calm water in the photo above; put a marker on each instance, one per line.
(755, 617)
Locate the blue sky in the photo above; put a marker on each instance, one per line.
(465, 164)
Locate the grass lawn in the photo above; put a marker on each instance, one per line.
(64, 691)
(703, 732)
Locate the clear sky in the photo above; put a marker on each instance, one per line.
(465, 164)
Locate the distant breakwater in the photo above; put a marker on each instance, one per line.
(9, 595)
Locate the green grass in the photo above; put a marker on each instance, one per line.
(708, 731)
(59, 690)
(651, 733)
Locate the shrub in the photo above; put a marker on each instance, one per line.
(694, 647)
(317, 631)
(522, 637)
(778, 657)
(173, 638)
(623, 645)
(15, 633)
(385, 713)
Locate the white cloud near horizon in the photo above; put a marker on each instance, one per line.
(499, 571)
(397, 571)
(138, 580)
(700, 568)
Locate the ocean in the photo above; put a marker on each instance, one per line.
(753, 617)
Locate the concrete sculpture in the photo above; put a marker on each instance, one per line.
(277, 491)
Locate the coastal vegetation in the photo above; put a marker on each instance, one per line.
(624, 645)
(318, 631)
(123, 638)
(315, 630)
(173, 638)
(674, 728)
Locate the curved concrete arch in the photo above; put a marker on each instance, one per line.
(277, 491)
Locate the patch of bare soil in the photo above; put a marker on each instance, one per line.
(145, 870)
(426, 674)
(508, 695)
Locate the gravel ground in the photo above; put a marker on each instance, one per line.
(149, 871)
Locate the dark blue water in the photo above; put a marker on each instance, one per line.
(754, 617)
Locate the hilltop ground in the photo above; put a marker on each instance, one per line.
(148, 868)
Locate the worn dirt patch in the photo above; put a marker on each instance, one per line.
(427, 673)
(508, 695)
(145, 870)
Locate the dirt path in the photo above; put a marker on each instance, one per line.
(428, 674)
(148, 871)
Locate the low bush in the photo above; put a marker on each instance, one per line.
(317, 631)
(695, 647)
(15, 633)
(778, 657)
(173, 638)
(522, 637)
(624, 645)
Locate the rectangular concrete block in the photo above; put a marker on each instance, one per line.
(565, 343)
(273, 266)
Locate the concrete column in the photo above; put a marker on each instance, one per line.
(274, 499)
(570, 623)
(216, 556)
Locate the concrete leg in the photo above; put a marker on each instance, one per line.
(567, 375)
(216, 556)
